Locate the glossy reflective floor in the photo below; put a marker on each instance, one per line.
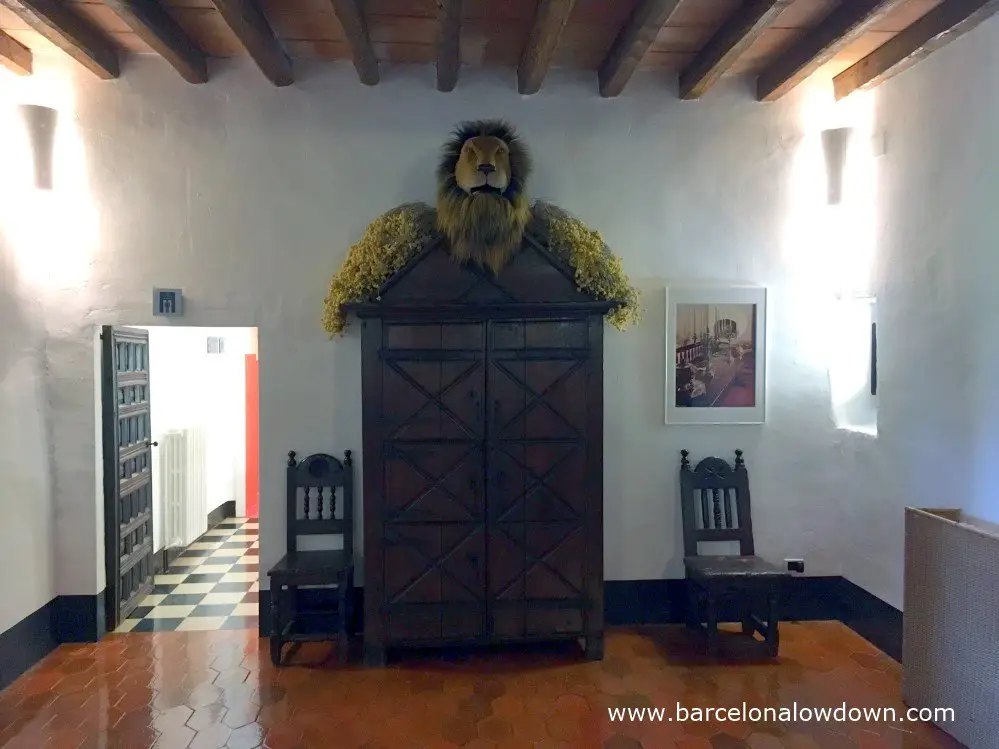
(217, 689)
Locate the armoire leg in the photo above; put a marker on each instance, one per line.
(374, 656)
(595, 648)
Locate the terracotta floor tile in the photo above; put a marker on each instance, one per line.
(459, 730)
(218, 690)
(495, 729)
(693, 742)
(205, 717)
(176, 737)
(764, 741)
(241, 715)
(248, 737)
(620, 741)
(283, 736)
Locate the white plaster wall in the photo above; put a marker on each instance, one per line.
(27, 518)
(248, 197)
(939, 404)
(26, 512)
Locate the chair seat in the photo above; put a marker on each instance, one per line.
(312, 564)
(732, 566)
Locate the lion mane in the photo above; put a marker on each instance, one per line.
(481, 205)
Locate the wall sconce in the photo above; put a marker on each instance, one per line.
(834, 145)
(41, 124)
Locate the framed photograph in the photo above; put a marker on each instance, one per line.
(716, 354)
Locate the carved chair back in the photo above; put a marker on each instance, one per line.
(714, 499)
(321, 499)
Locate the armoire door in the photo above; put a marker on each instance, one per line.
(536, 453)
(434, 556)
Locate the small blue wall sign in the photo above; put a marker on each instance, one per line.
(168, 302)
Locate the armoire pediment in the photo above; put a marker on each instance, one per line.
(534, 280)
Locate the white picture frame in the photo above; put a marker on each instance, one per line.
(716, 354)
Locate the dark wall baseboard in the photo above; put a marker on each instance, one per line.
(79, 618)
(63, 619)
(628, 602)
(220, 513)
(633, 602)
(644, 601)
(26, 643)
(877, 622)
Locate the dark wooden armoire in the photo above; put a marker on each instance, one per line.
(483, 455)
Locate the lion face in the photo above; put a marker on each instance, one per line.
(481, 205)
(483, 166)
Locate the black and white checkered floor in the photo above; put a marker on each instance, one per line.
(212, 585)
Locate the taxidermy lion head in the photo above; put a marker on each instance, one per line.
(481, 206)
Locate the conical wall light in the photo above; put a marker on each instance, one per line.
(41, 125)
(834, 144)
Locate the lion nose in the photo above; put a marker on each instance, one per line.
(487, 168)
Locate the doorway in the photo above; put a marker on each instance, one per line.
(181, 485)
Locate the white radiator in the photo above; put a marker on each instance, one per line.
(184, 486)
(197, 484)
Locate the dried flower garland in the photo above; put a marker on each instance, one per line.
(396, 237)
(389, 242)
(598, 270)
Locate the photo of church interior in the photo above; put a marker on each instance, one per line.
(498, 374)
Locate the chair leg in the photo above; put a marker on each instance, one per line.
(748, 625)
(277, 625)
(693, 615)
(773, 631)
(344, 596)
(351, 616)
(711, 624)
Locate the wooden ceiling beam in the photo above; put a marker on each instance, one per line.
(631, 44)
(250, 26)
(13, 55)
(549, 22)
(355, 26)
(939, 27)
(72, 33)
(158, 29)
(448, 44)
(728, 44)
(841, 27)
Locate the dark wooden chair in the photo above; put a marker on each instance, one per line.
(714, 498)
(312, 511)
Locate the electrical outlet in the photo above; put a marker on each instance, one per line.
(795, 565)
